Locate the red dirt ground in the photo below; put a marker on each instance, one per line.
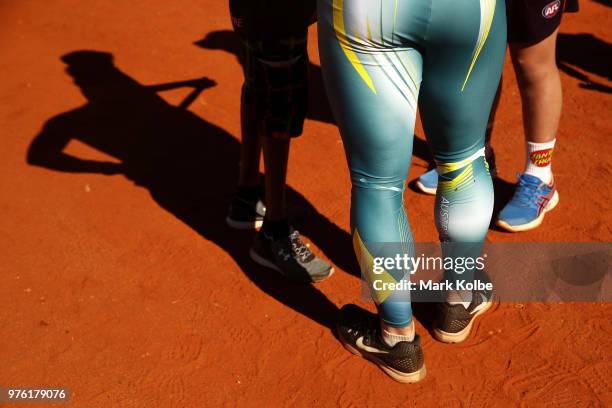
(130, 290)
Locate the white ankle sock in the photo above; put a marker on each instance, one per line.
(392, 339)
(538, 162)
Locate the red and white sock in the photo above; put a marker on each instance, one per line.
(538, 162)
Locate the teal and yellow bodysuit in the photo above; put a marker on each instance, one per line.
(382, 59)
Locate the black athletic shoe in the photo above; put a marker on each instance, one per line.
(291, 257)
(244, 214)
(454, 322)
(359, 332)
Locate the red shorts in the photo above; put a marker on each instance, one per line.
(531, 21)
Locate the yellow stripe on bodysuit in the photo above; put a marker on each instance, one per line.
(444, 168)
(487, 11)
(366, 262)
(466, 177)
(343, 40)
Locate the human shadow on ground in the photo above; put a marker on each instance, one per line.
(189, 166)
(607, 3)
(582, 54)
(318, 104)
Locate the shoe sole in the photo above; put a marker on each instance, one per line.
(271, 265)
(391, 372)
(425, 189)
(243, 225)
(532, 224)
(448, 337)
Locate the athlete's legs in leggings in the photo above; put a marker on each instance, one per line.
(374, 54)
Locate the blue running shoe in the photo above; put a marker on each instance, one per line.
(428, 182)
(531, 201)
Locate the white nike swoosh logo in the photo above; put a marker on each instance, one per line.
(362, 346)
(484, 303)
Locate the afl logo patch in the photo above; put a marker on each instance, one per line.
(551, 9)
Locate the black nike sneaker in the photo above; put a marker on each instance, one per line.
(291, 257)
(245, 214)
(454, 322)
(360, 333)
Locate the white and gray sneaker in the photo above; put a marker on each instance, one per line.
(291, 257)
(454, 321)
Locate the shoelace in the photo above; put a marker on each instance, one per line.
(526, 191)
(299, 248)
(364, 328)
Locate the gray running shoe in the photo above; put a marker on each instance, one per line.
(291, 257)
(359, 332)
